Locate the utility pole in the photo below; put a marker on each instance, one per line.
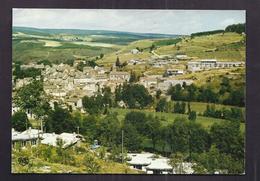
(41, 126)
(78, 130)
(189, 144)
(122, 141)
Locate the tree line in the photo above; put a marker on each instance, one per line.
(237, 28)
(227, 94)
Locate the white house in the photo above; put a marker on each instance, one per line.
(134, 51)
(208, 64)
(67, 139)
(27, 137)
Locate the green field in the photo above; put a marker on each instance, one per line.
(168, 118)
(222, 47)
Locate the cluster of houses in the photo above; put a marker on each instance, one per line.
(36, 136)
(158, 82)
(67, 85)
(151, 164)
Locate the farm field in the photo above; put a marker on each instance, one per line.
(225, 46)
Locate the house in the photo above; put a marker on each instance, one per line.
(75, 103)
(119, 76)
(67, 139)
(159, 166)
(27, 137)
(135, 51)
(182, 57)
(167, 83)
(32, 65)
(171, 72)
(208, 64)
(140, 160)
(149, 81)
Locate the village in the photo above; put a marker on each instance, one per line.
(67, 86)
(108, 93)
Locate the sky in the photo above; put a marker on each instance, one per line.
(182, 22)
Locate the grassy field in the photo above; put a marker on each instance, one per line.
(168, 118)
(222, 47)
(29, 48)
(55, 51)
(200, 78)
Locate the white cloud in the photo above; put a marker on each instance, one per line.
(149, 21)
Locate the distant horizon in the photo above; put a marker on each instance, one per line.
(171, 22)
(95, 30)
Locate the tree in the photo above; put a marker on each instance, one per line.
(158, 94)
(108, 130)
(93, 104)
(80, 66)
(60, 120)
(152, 130)
(179, 108)
(228, 138)
(175, 92)
(214, 160)
(101, 55)
(133, 77)
(238, 28)
(132, 139)
(192, 116)
(236, 97)
(192, 92)
(199, 138)
(20, 121)
(69, 61)
(89, 127)
(29, 96)
(91, 163)
(136, 96)
(118, 64)
(161, 105)
(137, 119)
(152, 47)
(179, 135)
(107, 97)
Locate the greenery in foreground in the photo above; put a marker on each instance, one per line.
(76, 159)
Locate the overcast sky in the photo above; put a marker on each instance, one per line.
(143, 21)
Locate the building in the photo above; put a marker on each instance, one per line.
(159, 166)
(32, 65)
(140, 161)
(208, 64)
(27, 137)
(119, 76)
(67, 139)
(171, 72)
(167, 83)
(149, 82)
(182, 57)
(135, 51)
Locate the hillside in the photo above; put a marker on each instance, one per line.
(32, 44)
(227, 46)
